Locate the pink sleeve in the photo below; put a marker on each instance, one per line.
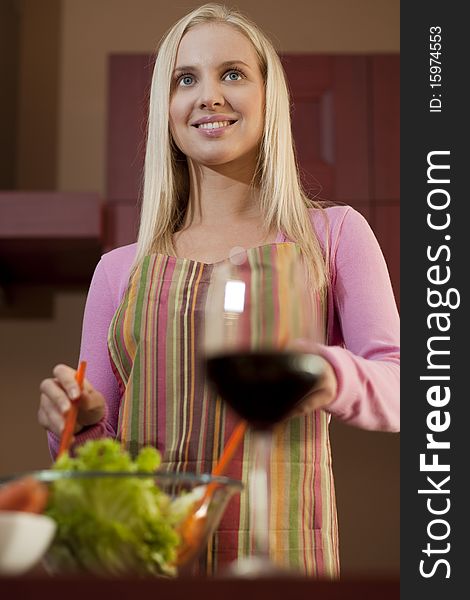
(100, 307)
(368, 366)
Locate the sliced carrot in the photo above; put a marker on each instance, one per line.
(26, 494)
(37, 500)
(14, 494)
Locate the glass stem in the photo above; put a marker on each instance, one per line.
(259, 492)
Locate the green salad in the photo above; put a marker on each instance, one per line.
(115, 525)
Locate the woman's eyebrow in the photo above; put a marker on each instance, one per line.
(226, 63)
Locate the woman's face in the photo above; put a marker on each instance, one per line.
(217, 99)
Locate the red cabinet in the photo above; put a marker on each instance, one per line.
(345, 121)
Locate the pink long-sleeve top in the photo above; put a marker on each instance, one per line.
(363, 326)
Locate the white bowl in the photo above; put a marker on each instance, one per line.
(24, 538)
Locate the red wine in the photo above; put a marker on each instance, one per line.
(264, 387)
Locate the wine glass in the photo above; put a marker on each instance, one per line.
(258, 303)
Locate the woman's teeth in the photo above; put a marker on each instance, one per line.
(214, 124)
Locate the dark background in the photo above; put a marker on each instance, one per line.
(423, 132)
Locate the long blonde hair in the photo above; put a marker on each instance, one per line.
(283, 204)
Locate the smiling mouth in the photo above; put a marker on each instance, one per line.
(215, 125)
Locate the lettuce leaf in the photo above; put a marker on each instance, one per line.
(112, 526)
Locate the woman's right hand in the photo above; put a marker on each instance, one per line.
(58, 392)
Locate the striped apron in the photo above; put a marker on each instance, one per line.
(167, 403)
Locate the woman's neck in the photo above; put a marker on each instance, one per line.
(220, 196)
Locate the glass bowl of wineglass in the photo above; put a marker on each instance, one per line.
(260, 303)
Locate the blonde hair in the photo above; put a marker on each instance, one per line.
(283, 204)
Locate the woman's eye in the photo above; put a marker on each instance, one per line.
(234, 75)
(185, 80)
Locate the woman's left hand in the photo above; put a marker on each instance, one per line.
(323, 393)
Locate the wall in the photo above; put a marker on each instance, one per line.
(91, 30)
(9, 43)
(38, 94)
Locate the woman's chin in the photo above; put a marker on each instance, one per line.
(222, 160)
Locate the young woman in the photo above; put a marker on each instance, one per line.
(220, 173)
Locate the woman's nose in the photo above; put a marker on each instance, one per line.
(211, 95)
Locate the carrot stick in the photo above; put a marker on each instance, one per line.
(226, 457)
(230, 448)
(71, 416)
(193, 525)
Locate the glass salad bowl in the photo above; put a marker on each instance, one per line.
(126, 518)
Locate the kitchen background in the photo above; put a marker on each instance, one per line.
(69, 164)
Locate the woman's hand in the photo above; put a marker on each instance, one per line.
(326, 389)
(58, 392)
